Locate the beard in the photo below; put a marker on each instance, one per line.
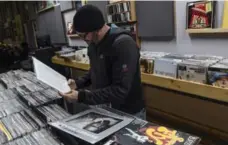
(94, 39)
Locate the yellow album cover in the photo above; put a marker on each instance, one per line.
(4, 133)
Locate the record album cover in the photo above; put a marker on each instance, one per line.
(140, 132)
(92, 125)
(4, 134)
(200, 14)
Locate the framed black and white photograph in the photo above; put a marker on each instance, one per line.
(92, 125)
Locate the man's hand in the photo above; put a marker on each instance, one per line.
(71, 96)
(72, 84)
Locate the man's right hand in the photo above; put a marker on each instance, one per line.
(72, 84)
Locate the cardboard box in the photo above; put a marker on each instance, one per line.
(166, 67)
(193, 70)
(218, 74)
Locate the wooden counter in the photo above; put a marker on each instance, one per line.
(192, 107)
(72, 64)
(201, 90)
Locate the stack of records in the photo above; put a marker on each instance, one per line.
(10, 107)
(17, 125)
(27, 89)
(11, 80)
(30, 76)
(24, 74)
(2, 88)
(140, 132)
(34, 117)
(51, 93)
(53, 112)
(17, 78)
(8, 94)
(41, 137)
(38, 98)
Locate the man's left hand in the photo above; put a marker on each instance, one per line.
(71, 96)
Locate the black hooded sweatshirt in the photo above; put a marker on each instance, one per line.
(114, 73)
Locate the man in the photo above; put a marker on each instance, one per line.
(114, 65)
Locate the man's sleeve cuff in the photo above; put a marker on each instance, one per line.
(81, 96)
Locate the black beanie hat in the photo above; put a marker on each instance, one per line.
(88, 19)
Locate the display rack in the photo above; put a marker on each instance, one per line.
(202, 90)
(123, 14)
(121, 11)
(72, 64)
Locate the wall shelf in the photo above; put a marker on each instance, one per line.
(72, 64)
(48, 8)
(207, 31)
(73, 35)
(124, 23)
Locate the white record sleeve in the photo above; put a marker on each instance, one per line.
(50, 76)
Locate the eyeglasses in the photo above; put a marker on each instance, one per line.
(83, 35)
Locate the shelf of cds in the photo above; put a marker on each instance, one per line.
(123, 14)
(208, 31)
(123, 11)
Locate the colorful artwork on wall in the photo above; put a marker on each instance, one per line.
(200, 14)
(45, 5)
(70, 28)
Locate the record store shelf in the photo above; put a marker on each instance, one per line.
(72, 64)
(73, 35)
(207, 31)
(203, 90)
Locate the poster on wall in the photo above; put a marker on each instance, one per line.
(70, 28)
(200, 14)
